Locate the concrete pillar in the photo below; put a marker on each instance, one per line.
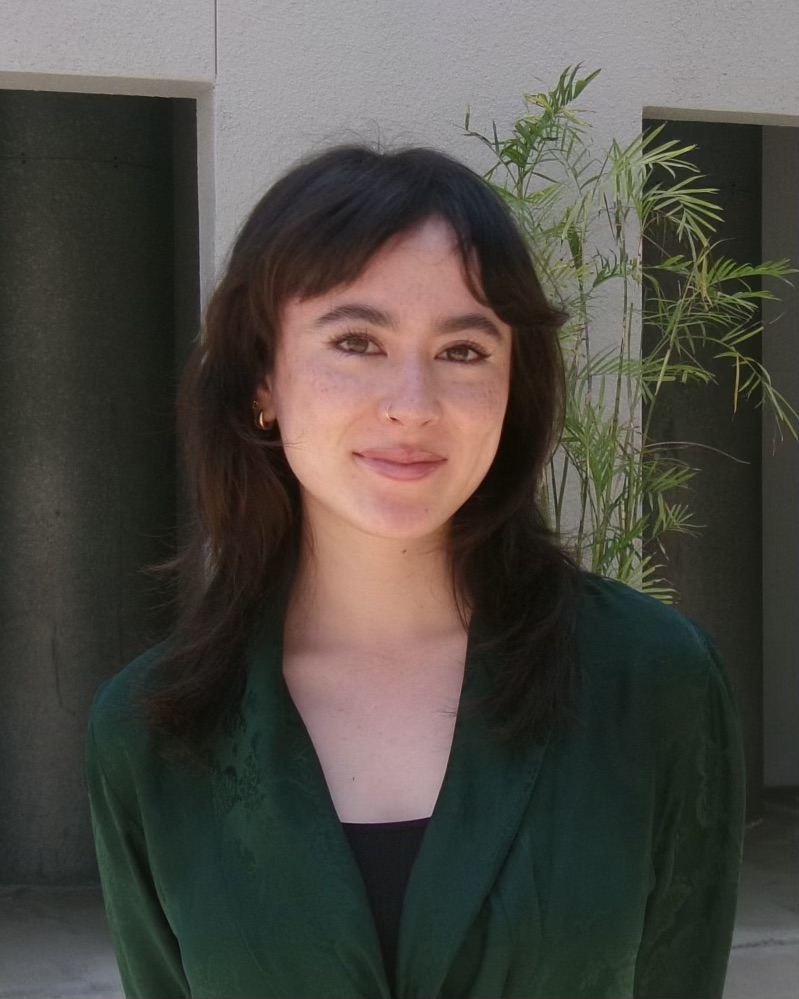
(781, 470)
(718, 574)
(87, 493)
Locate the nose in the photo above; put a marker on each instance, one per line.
(411, 397)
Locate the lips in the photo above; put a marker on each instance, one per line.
(406, 464)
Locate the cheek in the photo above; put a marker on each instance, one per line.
(315, 401)
(492, 407)
(485, 407)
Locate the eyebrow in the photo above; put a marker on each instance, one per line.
(359, 313)
(470, 321)
(377, 317)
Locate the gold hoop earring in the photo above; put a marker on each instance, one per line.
(262, 423)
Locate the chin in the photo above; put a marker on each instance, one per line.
(407, 528)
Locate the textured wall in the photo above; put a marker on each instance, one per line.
(294, 77)
(143, 40)
(730, 58)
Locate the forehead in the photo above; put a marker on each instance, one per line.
(426, 260)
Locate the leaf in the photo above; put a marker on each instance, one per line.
(586, 212)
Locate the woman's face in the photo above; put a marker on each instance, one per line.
(390, 392)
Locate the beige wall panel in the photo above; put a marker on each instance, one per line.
(294, 77)
(729, 60)
(145, 40)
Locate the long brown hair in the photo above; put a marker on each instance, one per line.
(316, 229)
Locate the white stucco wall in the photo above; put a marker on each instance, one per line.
(132, 46)
(724, 60)
(292, 77)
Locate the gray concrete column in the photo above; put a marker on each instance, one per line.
(87, 456)
(718, 574)
(781, 470)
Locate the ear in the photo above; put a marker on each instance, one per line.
(265, 399)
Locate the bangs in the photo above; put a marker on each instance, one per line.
(353, 205)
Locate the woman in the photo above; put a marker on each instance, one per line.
(398, 744)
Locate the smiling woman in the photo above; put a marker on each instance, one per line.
(378, 380)
(398, 743)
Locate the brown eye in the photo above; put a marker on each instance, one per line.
(465, 353)
(353, 343)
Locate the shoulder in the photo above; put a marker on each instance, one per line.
(116, 703)
(619, 623)
(635, 650)
(119, 738)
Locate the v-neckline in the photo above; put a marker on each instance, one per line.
(287, 828)
(294, 717)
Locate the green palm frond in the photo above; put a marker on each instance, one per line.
(586, 213)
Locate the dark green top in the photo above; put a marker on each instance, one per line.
(603, 863)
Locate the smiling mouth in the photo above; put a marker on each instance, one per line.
(402, 465)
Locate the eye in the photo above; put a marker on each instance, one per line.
(466, 353)
(353, 343)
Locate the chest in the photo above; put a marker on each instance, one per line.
(382, 728)
(532, 878)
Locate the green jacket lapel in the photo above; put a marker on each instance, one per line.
(281, 839)
(485, 793)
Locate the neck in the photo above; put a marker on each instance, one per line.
(374, 592)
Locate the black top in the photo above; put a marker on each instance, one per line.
(385, 852)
